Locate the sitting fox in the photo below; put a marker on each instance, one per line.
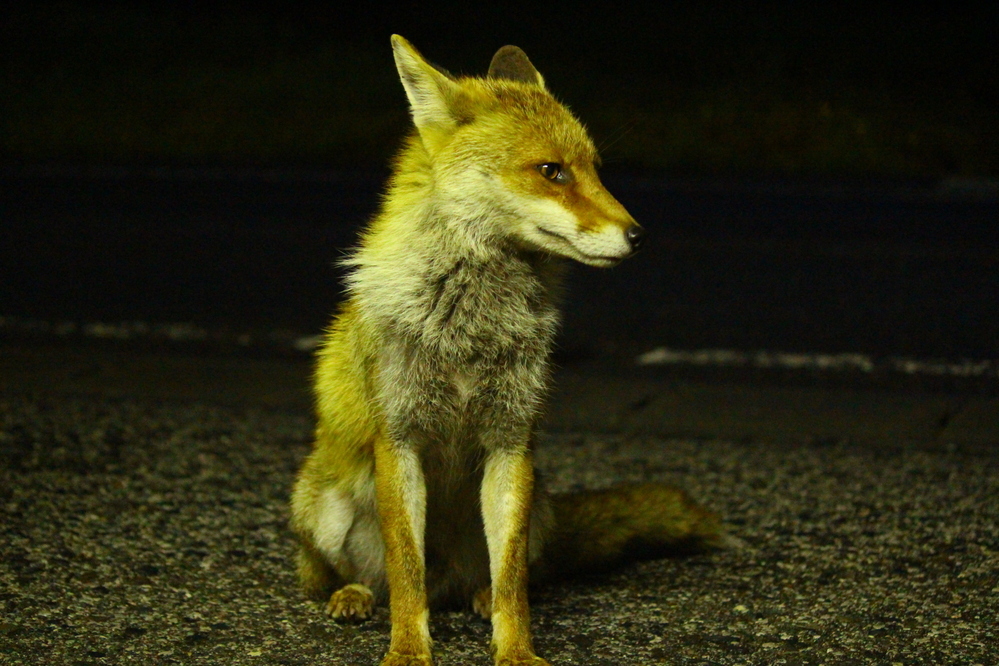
(431, 380)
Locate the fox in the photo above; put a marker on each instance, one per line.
(430, 383)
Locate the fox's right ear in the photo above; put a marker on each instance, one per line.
(432, 95)
(510, 62)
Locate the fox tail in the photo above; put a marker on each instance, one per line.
(597, 531)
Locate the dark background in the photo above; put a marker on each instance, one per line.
(814, 178)
(706, 87)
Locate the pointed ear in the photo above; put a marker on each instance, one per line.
(510, 62)
(431, 93)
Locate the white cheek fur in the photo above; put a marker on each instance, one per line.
(552, 227)
(484, 207)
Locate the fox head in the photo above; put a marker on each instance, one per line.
(505, 153)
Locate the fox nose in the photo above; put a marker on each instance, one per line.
(634, 235)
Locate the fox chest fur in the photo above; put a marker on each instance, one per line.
(463, 362)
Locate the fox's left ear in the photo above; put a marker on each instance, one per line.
(510, 62)
(432, 94)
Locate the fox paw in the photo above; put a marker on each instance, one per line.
(398, 659)
(482, 602)
(351, 603)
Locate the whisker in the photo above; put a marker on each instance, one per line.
(616, 136)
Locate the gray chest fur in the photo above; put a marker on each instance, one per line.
(467, 362)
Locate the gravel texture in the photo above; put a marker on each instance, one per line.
(150, 531)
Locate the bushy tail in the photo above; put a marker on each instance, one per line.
(599, 530)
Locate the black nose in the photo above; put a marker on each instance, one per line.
(635, 234)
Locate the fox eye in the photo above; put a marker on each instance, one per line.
(553, 171)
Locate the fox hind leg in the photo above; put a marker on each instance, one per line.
(345, 602)
(341, 556)
(482, 603)
(351, 603)
(364, 549)
(315, 574)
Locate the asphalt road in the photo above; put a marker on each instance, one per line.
(144, 518)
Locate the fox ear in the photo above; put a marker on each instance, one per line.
(510, 62)
(431, 93)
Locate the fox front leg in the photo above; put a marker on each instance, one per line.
(507, 491)
(402, 499)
